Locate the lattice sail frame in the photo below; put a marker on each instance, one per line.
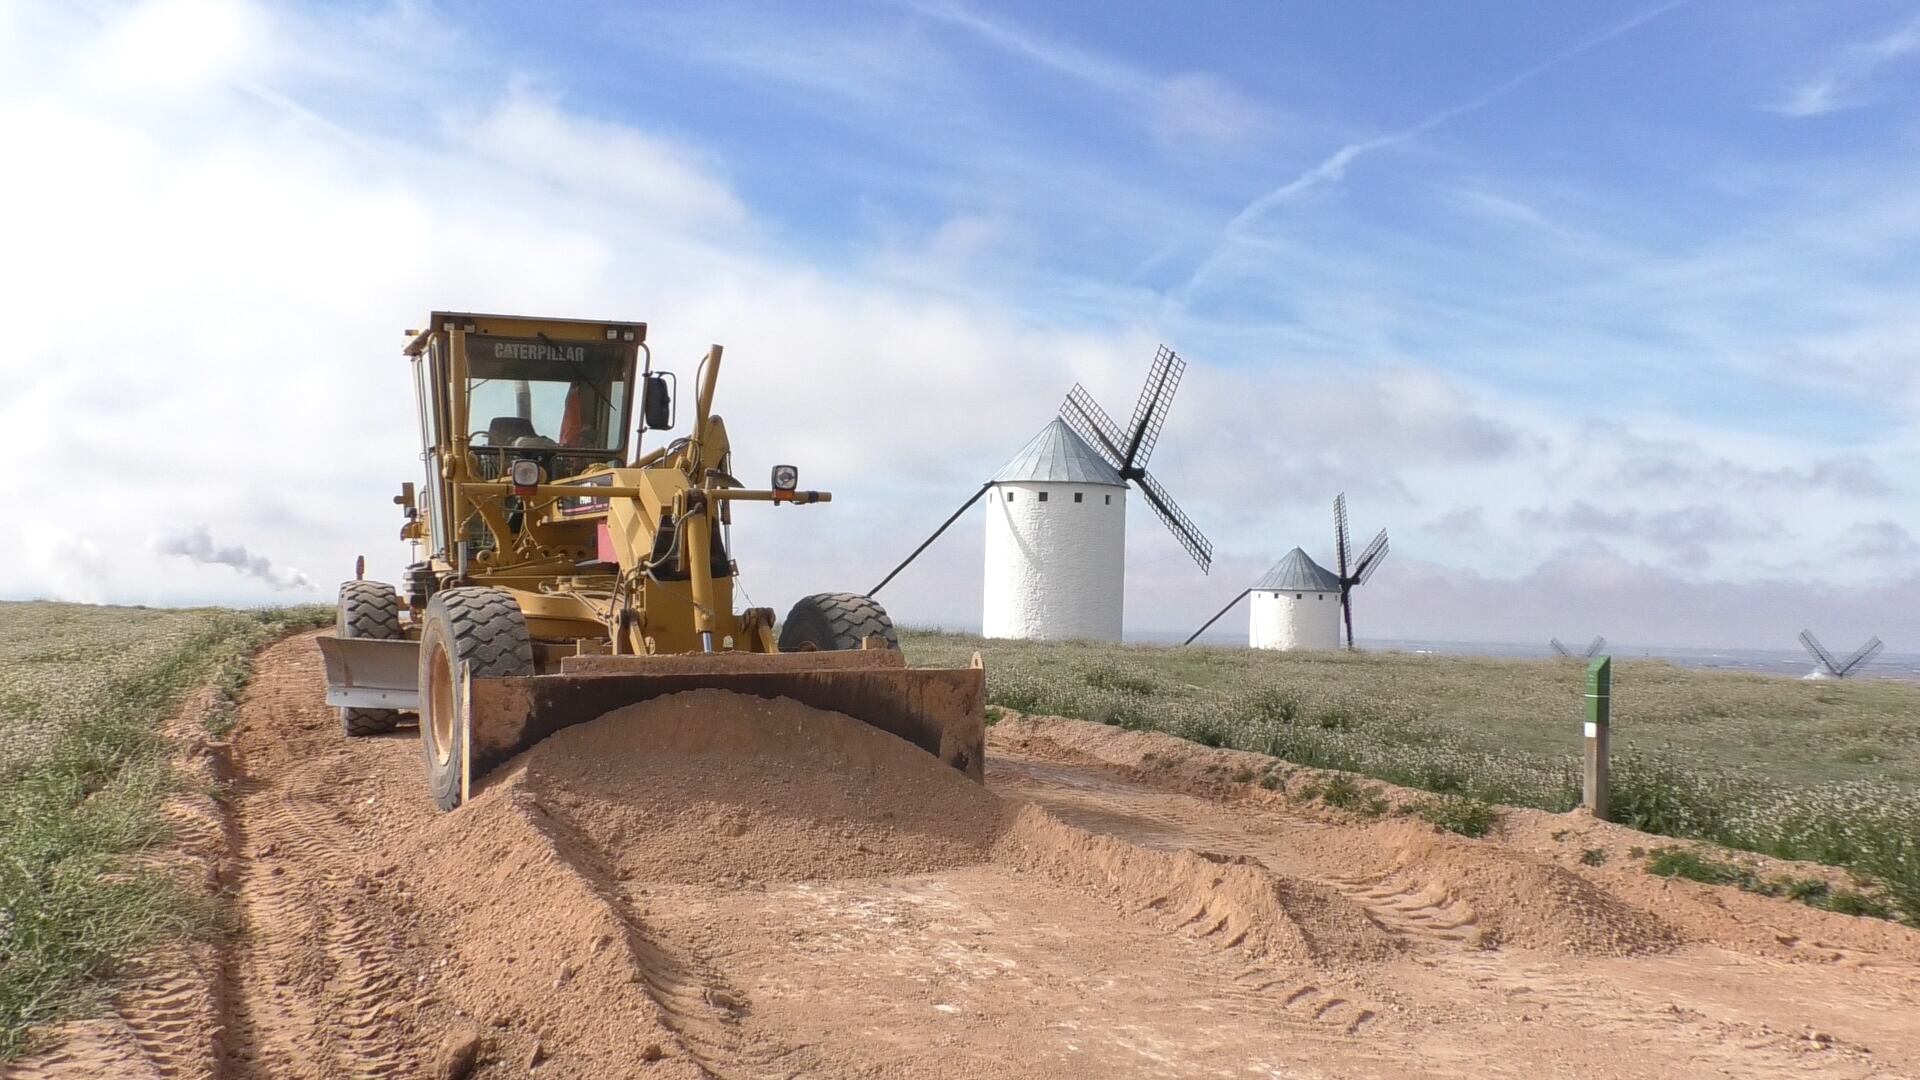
(1127, 451)
(1156, 398)
(1819, 652)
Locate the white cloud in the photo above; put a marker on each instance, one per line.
(600, 160)
(1841, 85)
(1183, 108)
(218, 275)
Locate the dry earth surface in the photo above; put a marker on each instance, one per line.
(721, 886)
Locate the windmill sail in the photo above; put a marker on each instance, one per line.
(1356, 572)
(1340, 555)
(1370, 558)
(1176, 521)
(1089, 421)
(1594, 646)
(1559, 650)
(1861, 656)
(1156, 398)
(1128, 450)
(1819, 652)
(1340, 532)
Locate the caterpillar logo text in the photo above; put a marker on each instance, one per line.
(527, 350)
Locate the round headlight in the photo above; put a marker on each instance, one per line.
(785, 477)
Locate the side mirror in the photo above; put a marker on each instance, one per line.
(656, 403)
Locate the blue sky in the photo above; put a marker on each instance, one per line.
(1585, 302)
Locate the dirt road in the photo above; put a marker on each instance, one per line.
(647, 896)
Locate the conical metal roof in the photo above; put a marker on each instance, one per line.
(1059, 455)
(1295, 572)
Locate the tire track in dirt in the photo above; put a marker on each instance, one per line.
(319, 982)
(1411, 909)
(1460, 967)
(697, 1003)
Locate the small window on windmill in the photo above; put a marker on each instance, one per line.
(1299, 596)
(1109, 500)
(1078, 495)
(1009, 496)
(1043, 496)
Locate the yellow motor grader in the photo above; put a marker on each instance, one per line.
(567, 573)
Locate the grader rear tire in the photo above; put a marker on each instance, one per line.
(483, 630)
(833, 622)
(368, 609)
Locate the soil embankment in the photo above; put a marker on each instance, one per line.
(712, 885)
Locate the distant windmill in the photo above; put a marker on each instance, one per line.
(1564, 653)
(1838, 669)
(1056, 524)
(1362, 568)
(1289, 608)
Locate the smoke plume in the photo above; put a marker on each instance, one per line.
(197, 544)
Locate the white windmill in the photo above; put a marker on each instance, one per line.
(1300, 604)
(1056, 519)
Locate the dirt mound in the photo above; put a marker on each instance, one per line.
(539, 964)
(1234, 903)
(546, 877)
(709, 786)
(1520, 900)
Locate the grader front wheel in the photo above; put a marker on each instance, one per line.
(483, 630)
(368, 609)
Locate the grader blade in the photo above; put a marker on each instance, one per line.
(371, 673)
(942, 711)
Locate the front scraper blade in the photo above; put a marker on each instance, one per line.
(368, 673)
(940, 710)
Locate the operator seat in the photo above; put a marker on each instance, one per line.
(503, 430)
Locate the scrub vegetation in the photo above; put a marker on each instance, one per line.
(84, 769)
(1826, 772)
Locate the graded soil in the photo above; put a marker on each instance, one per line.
(712, 885)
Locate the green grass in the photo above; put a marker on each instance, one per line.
(82, 778)
(1707, 869)
(1827, 772)
(1468, 817)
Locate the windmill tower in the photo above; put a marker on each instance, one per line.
(1057, 517)
(1056, 542)
(1829, 668)
(1296, 605)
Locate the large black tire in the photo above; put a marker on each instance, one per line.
(368, 609)
(483, 630)
(835, 621)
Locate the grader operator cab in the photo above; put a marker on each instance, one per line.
(566, 572)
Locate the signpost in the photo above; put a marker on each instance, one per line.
(1593, 785)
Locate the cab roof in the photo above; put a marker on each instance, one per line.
(524, 326)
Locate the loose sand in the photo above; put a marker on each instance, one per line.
(714, 885)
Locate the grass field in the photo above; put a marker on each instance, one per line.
(1824, 771)
(83, 772)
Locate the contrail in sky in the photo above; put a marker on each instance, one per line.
(1332, 168)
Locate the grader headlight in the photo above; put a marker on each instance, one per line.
(525, 475)
(785, 477)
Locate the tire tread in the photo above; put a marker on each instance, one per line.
(368, 609)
